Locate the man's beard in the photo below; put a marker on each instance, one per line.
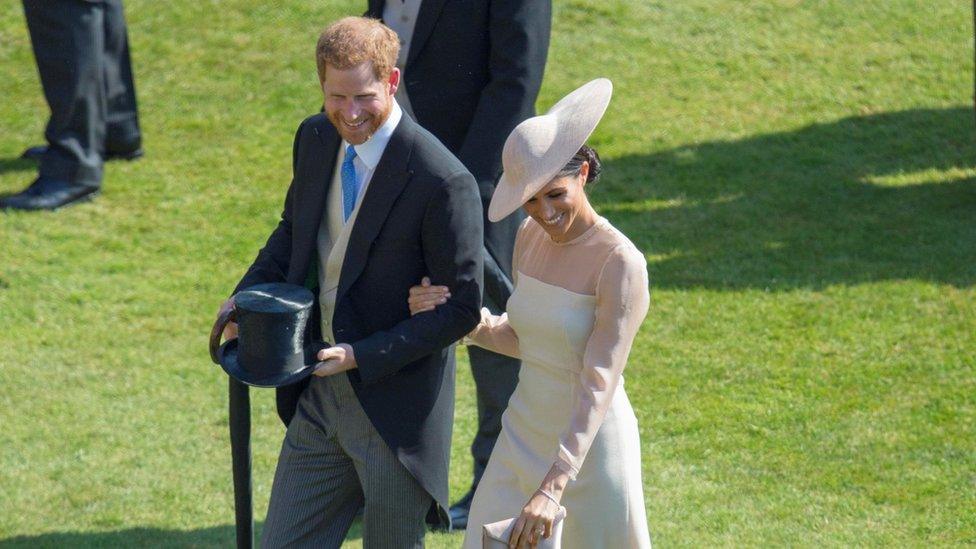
(371, 126)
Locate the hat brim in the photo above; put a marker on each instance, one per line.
(229, 362)
(542, 145)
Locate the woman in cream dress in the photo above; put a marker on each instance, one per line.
(569, 435)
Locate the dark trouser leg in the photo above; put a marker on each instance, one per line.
(122, 131)
(396, 504)
(69, 43)
(316, 490)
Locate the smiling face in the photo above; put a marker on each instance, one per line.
(356, 101)
(561, 207)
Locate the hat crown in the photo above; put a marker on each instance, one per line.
(528, 143)
(271, 344)
(274, 299)
(538, 148)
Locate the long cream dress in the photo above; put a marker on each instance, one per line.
(571, 319)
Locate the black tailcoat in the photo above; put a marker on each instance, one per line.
(419, 217)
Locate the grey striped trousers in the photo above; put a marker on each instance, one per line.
(331, 462)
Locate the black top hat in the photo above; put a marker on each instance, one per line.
(269, 350)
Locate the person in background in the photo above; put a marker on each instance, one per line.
(82, 53)
(472, 70)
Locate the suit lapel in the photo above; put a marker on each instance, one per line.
(430, 10)
(388, 181)
(315, 176)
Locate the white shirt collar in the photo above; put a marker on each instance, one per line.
(371, 151)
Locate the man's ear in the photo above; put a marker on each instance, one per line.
(394, 80)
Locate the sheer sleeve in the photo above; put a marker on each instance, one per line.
(494, 332)
(622, 300)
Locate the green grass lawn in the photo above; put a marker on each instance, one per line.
(801, 176)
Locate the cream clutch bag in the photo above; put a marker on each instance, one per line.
(496, 534)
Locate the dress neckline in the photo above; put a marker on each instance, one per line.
(554, 286)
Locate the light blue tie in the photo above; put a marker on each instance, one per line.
(349, 187)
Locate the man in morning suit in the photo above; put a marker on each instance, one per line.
(376, 202)
(471, 71)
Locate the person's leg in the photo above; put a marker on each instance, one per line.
(122, 130)
(68, 42)
(396, 504)
(316, 491)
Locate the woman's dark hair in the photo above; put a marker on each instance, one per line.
(575, 164)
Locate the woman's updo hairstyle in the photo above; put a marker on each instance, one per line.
(585, 154)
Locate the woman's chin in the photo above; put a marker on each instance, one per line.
(556, 231)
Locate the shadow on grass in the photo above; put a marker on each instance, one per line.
(871, 198)
(218, 536)
(16, 165)
(222, 536)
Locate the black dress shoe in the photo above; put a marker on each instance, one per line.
(35, 153)
(459, 511)
(48, 194)
(459, 518)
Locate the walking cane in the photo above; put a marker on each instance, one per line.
(239, 404)
(275, 357)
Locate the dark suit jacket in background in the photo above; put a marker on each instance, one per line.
(419, 216)
(473, 72)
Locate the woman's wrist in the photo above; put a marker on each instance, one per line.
(548, 495)
(554, 483)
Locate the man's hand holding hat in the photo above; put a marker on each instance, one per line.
(334, 360)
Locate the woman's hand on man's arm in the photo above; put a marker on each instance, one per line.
(426, 297)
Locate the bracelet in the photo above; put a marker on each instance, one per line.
(548, 495)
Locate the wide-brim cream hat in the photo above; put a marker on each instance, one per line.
(538, 148)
